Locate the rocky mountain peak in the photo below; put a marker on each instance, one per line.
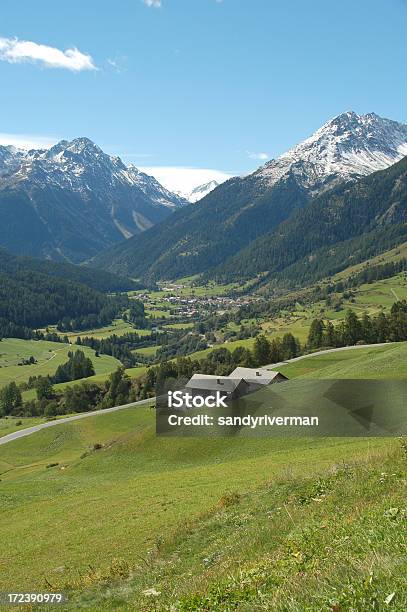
(346, 147)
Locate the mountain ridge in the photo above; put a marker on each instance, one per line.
(309, 244)
(78, 199)
(346, 148)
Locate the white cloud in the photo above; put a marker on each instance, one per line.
(184, 180)
(261, 156)
(17, 51)
(154, 3)
(27, 141)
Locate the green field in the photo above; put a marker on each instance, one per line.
(231, 346)
(150, 501)
(333, 539)
(158, 313)
(187, 287)
(118, 327)
(371, 298)
(148, 351)
(382, 362)
(121, 499)
(136, 372)
(49, 356)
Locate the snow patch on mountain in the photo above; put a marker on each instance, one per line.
(347, 147)
(201, 191)
(80, 166)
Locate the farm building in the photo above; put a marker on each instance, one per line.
(207, 384)
(240, 382)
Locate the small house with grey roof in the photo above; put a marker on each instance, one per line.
(240, 382)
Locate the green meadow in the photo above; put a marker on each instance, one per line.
(177, 326)
(381, 362)
(189, 287)
(121, 499)
(147, 351)
(369, 297)
(116, 511)
(329, 538)
(49, 355)
(117, 327)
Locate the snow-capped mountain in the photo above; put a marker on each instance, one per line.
(201, 191)
(245, 209)
(80, 199)
(349, 146)
(10, 158)
(154, 190)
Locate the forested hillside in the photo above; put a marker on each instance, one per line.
(95, 279)
(340, 227)
(199, 237)
(31, 298)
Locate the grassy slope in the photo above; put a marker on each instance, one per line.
(382, 362)
(121, 500)
(49, 356)
(9, 424)
(148, 351)
(370, 298)
(117, 327)
(332, 541)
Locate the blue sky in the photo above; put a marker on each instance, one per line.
(202, 84)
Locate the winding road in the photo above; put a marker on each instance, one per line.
(30, 430)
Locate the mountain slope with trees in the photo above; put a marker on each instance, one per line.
(38, 293)
(342, 226)
(95, 279)
(201, 237)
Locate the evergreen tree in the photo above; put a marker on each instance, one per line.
(261, 351)
(352, 328)
(367, 330)
(398, 321)
(382, 328)
(44, 388)
(276, 354)
(330, 338)
(289, 346)
(316, 334)
(78, 366)
(10, 398)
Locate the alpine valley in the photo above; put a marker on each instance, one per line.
(299, 268)
(339, 187)
(72, 201)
